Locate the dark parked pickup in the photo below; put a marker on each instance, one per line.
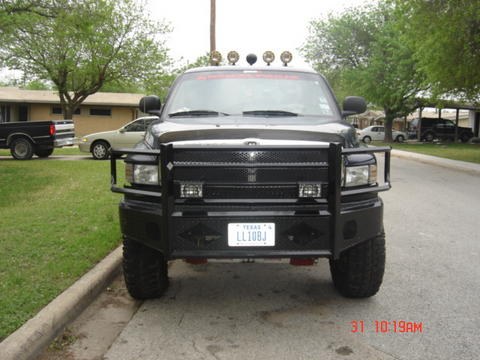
(442, 129)
(36, 137)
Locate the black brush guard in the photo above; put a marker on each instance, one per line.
(332, 202)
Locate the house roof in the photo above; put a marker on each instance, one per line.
(16, 95)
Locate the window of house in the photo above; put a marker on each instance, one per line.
(58, 110)
(100, 111)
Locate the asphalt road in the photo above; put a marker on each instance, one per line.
(276, 311)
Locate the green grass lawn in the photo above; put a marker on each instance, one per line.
(454, 151)
(58, 219)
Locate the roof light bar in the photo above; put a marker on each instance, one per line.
(215, 58)
(286, 57)
(233, 57)
(251, 59)
(268, 57)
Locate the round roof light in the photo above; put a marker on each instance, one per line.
(233, 57)
(251, 59)
(286, 57)
(215, 58)
(268, 57)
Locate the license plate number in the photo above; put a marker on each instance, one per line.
(251, 234)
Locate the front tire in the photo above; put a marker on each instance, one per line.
(21, 149)
(358, 273)
(100, 150)
(400, 139)
(429, 137)
(145, 270)
(367, 139)
(464, 138)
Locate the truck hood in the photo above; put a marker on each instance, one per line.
(241, 130)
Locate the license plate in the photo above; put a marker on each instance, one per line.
(251, 234)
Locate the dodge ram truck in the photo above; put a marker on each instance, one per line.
(250, 162)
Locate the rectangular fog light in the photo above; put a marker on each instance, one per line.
(309, 190)
(191, 190)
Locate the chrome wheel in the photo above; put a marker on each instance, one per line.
(100, 150)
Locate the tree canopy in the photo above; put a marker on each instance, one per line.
(362, 51)
(82, 45)
(445, 38)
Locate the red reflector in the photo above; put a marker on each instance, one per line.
(302, 261)
(52, 130)
(196, 261)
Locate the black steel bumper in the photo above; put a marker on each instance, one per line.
(322, 228)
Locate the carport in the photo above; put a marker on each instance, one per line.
(474, 114)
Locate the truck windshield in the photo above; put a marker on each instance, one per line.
(251, 93)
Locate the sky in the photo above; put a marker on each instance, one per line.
(244, 25)
(247, 26)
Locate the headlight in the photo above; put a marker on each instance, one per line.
(84, 139)
(142, 174)
(359, 175)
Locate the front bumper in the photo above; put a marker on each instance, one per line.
(297, 234)
(316, 228)
(84, 146)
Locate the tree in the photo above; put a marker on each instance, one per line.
(362, 51)
(13, 10)
(83, 45)
(445, 37)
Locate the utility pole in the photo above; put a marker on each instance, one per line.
(213, 44)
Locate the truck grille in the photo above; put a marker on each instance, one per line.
(248, 174)
(258, 156)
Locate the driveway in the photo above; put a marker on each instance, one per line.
(271, 310)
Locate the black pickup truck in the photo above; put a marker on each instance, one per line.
(35, 137)
(252, 162)
(442, 129)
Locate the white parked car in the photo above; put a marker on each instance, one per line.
(377, 133)
(127, 136)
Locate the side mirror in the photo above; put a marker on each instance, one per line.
(150, 105)
(354, 105)
(122, 130)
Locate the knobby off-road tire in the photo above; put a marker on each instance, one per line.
(145, 270)
(21, 149)
(358, 273)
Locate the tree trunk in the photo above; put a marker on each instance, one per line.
(389, 116)
(67, 114)
(69, 110)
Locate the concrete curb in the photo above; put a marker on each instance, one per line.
(464, 166)
(36, 334)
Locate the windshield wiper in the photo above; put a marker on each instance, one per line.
(197, 113)
(269, 113)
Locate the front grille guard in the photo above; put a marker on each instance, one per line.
(165, 157)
